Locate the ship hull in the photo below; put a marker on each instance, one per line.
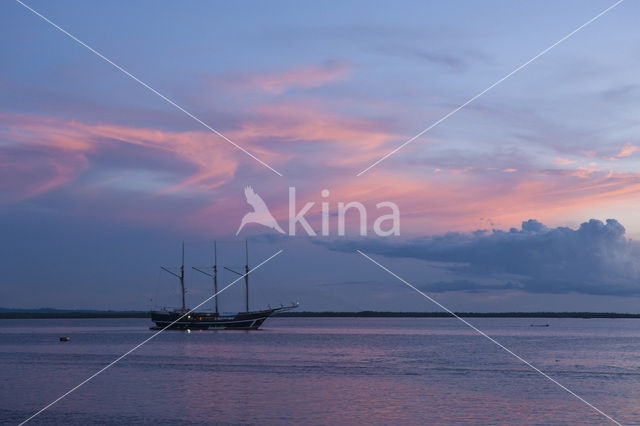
(177, 320)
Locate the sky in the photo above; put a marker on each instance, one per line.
(524, 200)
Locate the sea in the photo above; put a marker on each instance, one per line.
(323, 371)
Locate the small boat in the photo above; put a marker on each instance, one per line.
(539, 325)
(187, 319)
(65, 339)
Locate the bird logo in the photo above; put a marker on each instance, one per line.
(260, 213)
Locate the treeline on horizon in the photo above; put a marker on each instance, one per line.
(56, 313)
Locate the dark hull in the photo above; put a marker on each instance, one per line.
(210, 321)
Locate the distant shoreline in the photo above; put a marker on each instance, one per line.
(376, 314)
(73, 314)
(62, 314)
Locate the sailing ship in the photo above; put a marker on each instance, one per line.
(186, 319)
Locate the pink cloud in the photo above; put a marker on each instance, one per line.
(460, 201)
(626, 151)
(61, 149)
(345, 141)
(43, 153)
(444, 201)
(277, 83)
(562, 161)
(25, 173)
(277, 133)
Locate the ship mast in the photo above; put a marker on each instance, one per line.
(246, 273)
(181, 277)
(184, 306)
(214, 275)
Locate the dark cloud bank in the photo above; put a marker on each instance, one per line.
(596, 258)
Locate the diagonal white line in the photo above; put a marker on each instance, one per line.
(151, 89)
(477, 330)
(143, 342)
(455, 110)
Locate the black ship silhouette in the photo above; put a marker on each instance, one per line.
(185, 319)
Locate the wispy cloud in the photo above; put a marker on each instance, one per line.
(562, 161)
(54, 151)
(626, 151)
(278, 82)
(345, 140)
(452, 61)
(26, 172)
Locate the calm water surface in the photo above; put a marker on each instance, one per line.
(322, 371)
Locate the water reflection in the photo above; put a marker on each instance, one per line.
(322, 370)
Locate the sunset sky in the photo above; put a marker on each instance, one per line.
(504, 205)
